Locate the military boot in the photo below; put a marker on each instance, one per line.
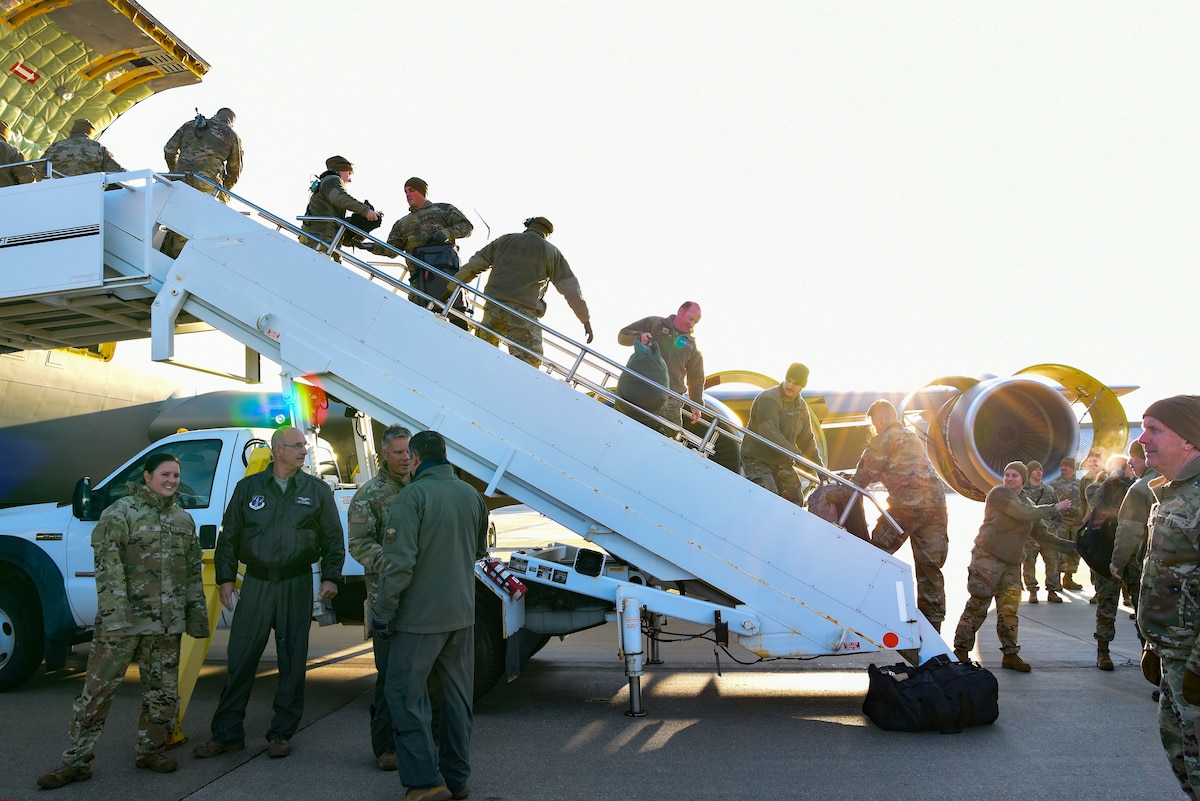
(1103, 660)
(1033, 596)
(1053, 597)
(1069, 582)
(64, 776)
(1014, 662)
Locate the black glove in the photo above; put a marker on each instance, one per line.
(1152, 667)
(1191, 687)
(381, 627)
(587, 329)
(437, 238)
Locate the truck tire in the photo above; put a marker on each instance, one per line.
(489, 645)
(21, 640)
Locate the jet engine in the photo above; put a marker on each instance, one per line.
(986, 424)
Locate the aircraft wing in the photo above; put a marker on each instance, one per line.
(95, 59)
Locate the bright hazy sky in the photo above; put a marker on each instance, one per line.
(888, 192)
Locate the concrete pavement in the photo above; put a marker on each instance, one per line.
(784, 729)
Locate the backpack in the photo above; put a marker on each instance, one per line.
(646, 362)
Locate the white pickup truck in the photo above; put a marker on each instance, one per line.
(47, 572)
(47, 576)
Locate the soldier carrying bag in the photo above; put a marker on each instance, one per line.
(940, 695)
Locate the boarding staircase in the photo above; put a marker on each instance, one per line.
(77, 267)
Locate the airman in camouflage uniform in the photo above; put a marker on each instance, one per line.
(1066, 486)
(1106, 498)
(917, 501)
(150, 593)
(79, 154)
(365, 523)
(330, 199)
(523, 266)
(11, 176)
(428, 233)
(995, 569)
(1169, 608)
(1040, 494)
(209, 148)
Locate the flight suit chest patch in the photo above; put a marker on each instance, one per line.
(257, 502)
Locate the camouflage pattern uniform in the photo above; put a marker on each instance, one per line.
(917, 501)
(685, 362)
(1069, 520)
(413, 231)
(79, 154)
(12, 176)
(150, 593)
(995, 569)
(330, 200)
(211, 149)
(1105, 499)
(1039, 495)
(786, 423)
(415, 228)
(523, 266)
(1169, 614)
(364, 531)
(1129, 550)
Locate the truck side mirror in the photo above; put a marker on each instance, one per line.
(81, 500)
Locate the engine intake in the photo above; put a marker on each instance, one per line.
(995, 422)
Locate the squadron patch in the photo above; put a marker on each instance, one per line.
(258, 502)
(389, 535)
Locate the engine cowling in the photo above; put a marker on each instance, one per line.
(977, 432)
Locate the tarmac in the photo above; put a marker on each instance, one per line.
(714, 728)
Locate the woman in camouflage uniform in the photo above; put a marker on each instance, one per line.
(995, 570)
(150, 592)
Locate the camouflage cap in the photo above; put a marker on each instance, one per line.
(417, 184)
(339, 164)
(540, 223)
(84, 127)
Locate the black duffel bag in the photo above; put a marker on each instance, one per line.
(940, 695)
(1095, 543)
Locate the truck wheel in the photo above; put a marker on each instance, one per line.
(21, 641)
(489, 645)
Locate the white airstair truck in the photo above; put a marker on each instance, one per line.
(677, 535)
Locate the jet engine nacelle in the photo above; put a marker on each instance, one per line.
(975, 434)
(986, 424)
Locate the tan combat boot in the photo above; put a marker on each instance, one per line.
(1103, 660)
(1014, 662)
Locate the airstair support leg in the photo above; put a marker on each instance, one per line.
(631, 648)
(163, 312)
(654, 625)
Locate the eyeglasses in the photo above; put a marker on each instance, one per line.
(299, 445)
